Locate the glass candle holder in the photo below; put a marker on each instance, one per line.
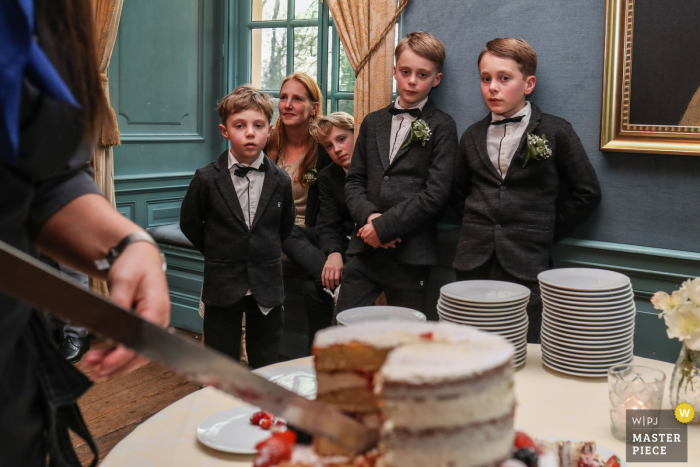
(632, 387)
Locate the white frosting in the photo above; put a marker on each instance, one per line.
(385, 335)
(435, 362)
(305, 455)
(329, 382)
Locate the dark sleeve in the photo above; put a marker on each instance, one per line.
(582, 194)
(288, 209)
(193, 214)
(330, 230)
(356, 181)
(462, 177)
(423, 206)
(54, 193)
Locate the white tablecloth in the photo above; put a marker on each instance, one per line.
(550, 404)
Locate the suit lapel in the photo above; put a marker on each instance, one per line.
(480, 143)
(268, 188)
(383, 133)
(519, 157)
(426, 114)
(226, 188)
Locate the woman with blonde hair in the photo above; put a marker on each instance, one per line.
(291, 146)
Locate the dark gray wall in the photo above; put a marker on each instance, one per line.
(648, 200)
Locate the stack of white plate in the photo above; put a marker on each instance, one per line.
(587, 320)
(379, 313)
(493, 306)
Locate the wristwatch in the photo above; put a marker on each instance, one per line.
(114, 252)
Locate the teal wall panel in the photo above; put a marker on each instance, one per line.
(166, 77)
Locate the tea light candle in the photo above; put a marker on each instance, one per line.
(631, 403)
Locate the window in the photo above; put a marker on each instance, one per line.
(279, 37)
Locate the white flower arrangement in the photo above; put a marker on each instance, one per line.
(537, 148)
(420, 132)
(681, 312)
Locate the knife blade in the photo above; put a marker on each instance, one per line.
(29, 280)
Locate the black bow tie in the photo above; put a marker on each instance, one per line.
(508, 120)
(243, 171)
(413, 112)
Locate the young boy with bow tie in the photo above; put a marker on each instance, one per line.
(237, 212)
(522, 179)
(399, 183)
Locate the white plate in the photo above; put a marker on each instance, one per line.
(592, 314)
(379, 313)
(493, 326)
(484, 306)
(297, 378)
(574, 359)
(485, 291)
(586, 351)
(621, 302)
(587, 329)
(604, 452)
(590, 318)
(597, 324)
(569, 371)
(589, 364)
(482, 316)
(496, 321)
(479, 309)
(478, 313)
(590, 309)
(231, 431)
(583, 279)
(581, 369)
(587, 295)
(582, 344)
(588, 337)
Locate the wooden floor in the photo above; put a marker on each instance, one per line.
(114, 408)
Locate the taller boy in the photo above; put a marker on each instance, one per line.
(515, 206)
(398, 183)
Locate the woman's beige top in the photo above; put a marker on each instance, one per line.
(301, 192)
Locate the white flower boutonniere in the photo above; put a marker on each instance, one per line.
(537, 148)
(420, 132)
(310, 176)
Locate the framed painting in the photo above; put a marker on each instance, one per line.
(651, 77)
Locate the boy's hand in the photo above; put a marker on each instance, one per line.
(391, 244)
(332, 270)
(368, 234)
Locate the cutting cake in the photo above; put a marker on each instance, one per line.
(441, 393)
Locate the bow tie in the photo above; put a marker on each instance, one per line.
(243, 171)
(412, 112)
(508, 120)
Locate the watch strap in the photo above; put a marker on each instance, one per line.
(114, 252)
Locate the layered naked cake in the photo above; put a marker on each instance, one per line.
(442, 394)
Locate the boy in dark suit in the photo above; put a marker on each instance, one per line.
(398, 184)
(522, 179)
(335, 133)
(237, 212)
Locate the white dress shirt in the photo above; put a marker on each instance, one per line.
(248, 190)
(400, 128)
(502, 141)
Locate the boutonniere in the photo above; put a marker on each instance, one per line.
(310, 176)
(537, 148)
(420, 132)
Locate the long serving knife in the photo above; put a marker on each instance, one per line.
(33, 282)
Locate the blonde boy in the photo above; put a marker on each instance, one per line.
(398, 184)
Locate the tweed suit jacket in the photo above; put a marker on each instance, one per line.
(335, 224)
(522, 216)
(237, 258)
(410, 193)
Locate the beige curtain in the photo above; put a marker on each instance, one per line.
(107, 14)
(366, 29)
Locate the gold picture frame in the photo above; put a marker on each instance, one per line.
(616, 131)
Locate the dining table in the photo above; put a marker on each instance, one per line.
(549, 405)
